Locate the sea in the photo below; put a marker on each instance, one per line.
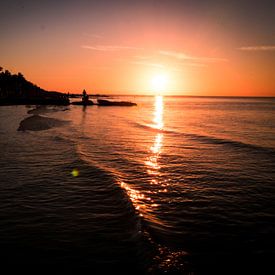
(174, 185)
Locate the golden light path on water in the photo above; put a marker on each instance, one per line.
(152, 162)
(143, 200)
(158, 114)
(138, 198)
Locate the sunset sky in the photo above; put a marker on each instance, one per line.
(141, 47)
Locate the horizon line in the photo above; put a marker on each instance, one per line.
(177, 95)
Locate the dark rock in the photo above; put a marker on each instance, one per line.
(39, 123)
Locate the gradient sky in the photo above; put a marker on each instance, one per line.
(204, 47)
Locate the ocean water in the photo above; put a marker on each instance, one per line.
(182, 185)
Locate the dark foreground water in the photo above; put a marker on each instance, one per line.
(174, 185)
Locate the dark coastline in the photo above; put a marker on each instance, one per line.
(59, 99)
(16, 90)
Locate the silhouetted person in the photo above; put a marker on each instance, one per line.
(85, 97)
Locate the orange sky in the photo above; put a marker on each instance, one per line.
(119, 48)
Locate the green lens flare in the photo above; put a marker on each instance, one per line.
(75, 172)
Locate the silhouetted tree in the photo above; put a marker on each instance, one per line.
(15, 89)
(7, 73)
(21, 76)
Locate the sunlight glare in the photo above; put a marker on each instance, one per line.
(158, 114)
(159, 82)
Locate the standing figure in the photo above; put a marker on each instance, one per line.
(85, 97)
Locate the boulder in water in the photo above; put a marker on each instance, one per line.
(39, 123)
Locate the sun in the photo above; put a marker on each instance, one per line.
(159, 82)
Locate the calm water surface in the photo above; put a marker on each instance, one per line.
(175, 184)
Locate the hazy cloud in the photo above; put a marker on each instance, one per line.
(258, 48)
(143, 57)
(92, 35)
(109, 48)
(149, 64)
(177, 55)
(196, 64)
(183, 56)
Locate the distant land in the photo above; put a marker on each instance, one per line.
(16, 90)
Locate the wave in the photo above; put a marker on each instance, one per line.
(207, 138)
(149, 227)
(233, 143)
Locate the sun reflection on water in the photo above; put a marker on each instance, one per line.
(144, 199)
(138, 199)
(158, 114)
(152, 161)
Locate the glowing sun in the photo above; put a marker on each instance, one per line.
(159, 82)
